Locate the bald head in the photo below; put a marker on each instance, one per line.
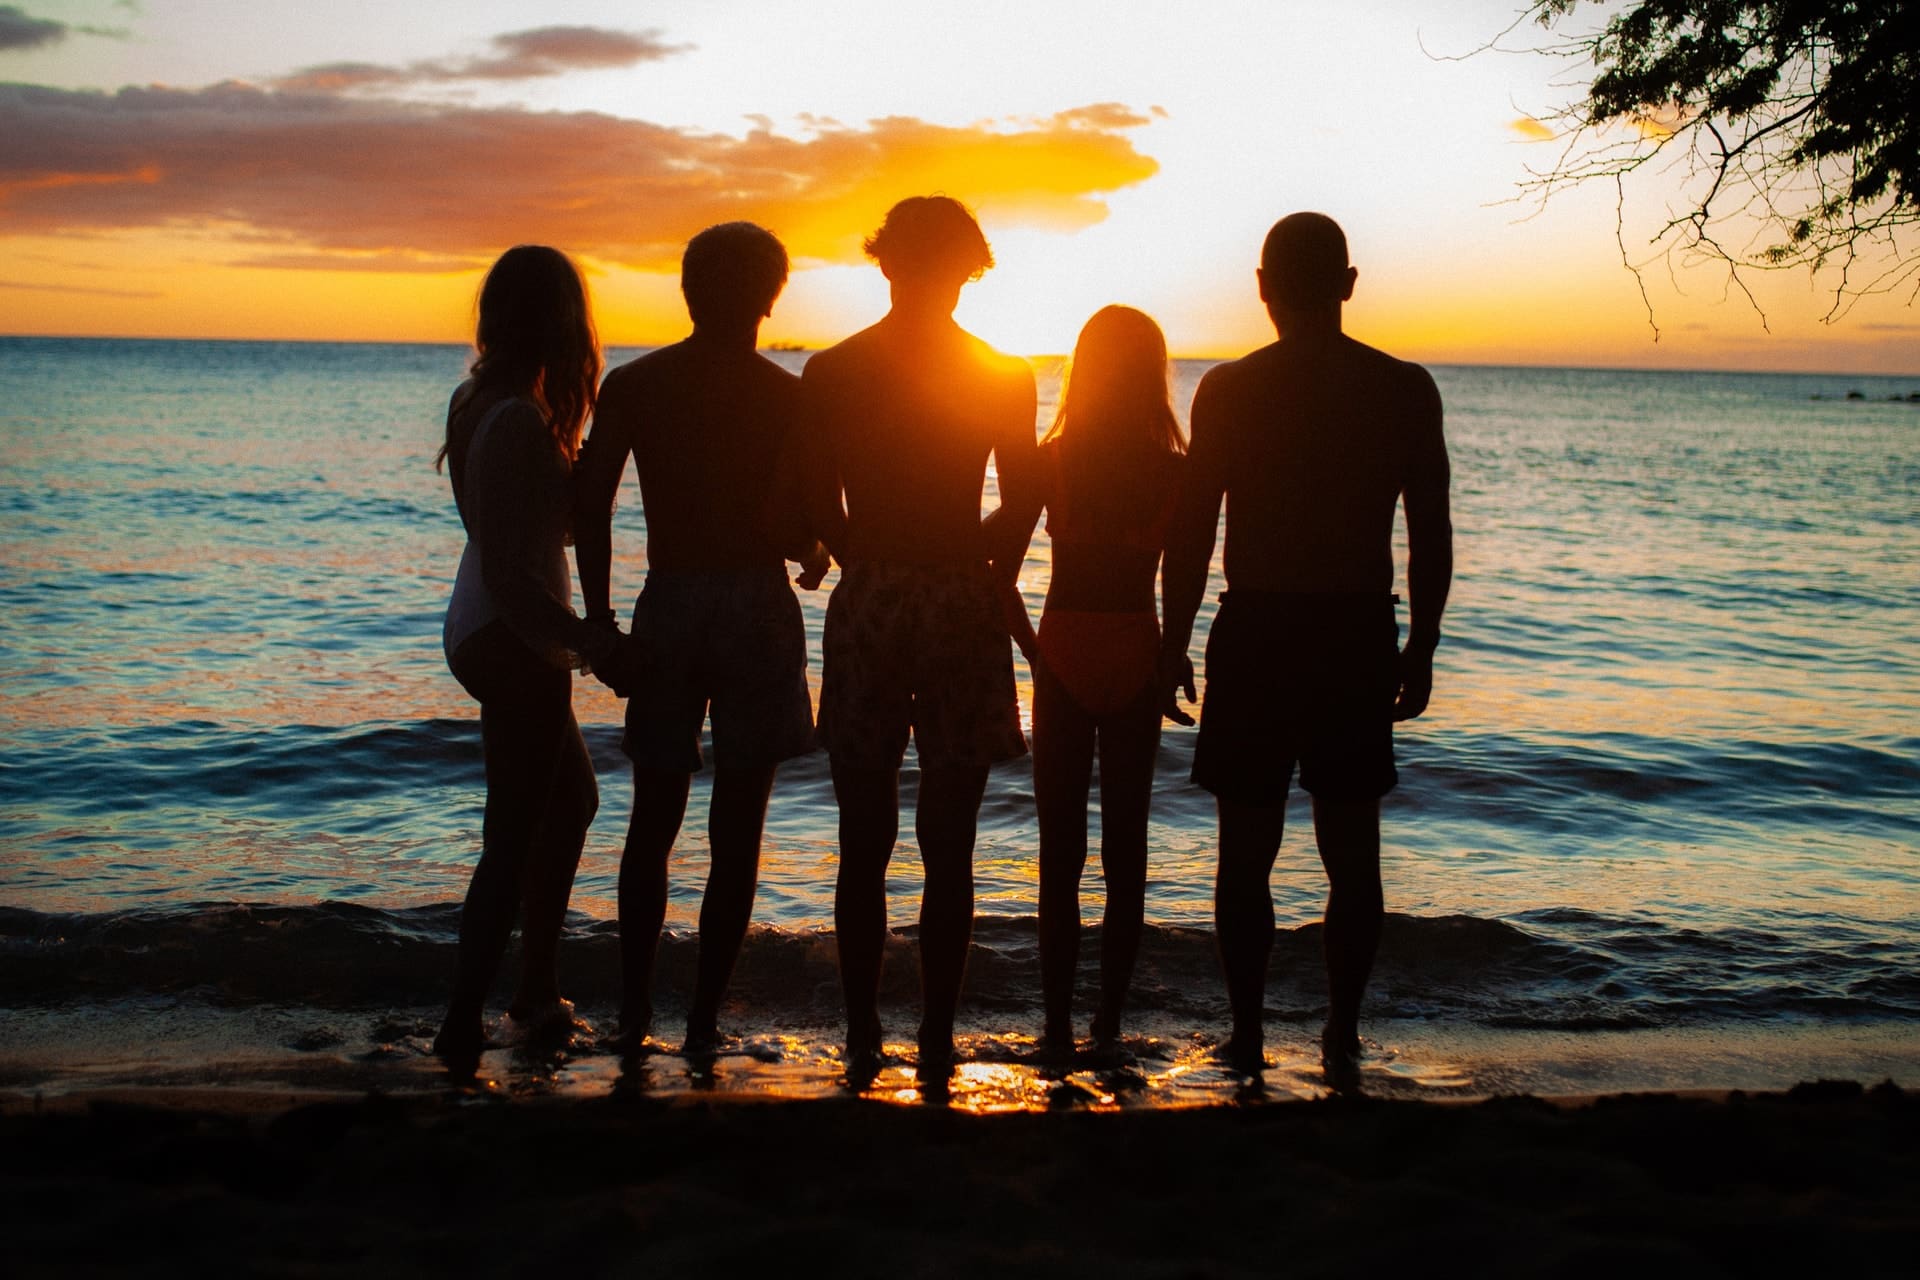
(1303, 265)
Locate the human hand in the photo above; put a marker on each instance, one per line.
(813, 567)
(607, 655)
(1176, 677)
(1416, 683)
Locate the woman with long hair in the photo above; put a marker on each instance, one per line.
(1112, 469)
(511, 636)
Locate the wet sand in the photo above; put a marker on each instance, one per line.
(238, 1182)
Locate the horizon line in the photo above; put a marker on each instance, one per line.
(792, 347)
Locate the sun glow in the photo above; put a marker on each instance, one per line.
(229, 173)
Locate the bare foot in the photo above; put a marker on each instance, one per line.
(459, 1045)
(548, 1022)
(865, 1055)
(1056, 1047)
(1340, 1061)
(936, 1051)
(1245, 1053)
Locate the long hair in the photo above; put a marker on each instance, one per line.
(535, 338)
(1115, 426)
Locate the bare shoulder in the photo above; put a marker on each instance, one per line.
(1402, 378)
(628, 392)
(848, 356)
(631, 377)
(462, 397)
(1232, 381)
(1009, 369)
(771, 376)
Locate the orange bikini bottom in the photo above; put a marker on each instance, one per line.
(1104, 661)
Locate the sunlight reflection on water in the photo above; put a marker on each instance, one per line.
(1679, 677)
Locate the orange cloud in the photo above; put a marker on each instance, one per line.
(1531, 130)
(374, 183)
(518, 55)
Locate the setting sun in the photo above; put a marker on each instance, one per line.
(224, 171)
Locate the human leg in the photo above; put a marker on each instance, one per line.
(869, 800)
(945, 825)
(659, 807)
(573, 797)
(1129, 743)
(524, 711)
(1243, 916)
(756, 667)
(734, 827)
(1063, 742)
(1348, 833)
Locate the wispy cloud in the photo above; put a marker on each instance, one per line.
(518, 55)
(1531, 130)
(345, 181)
(20, 30)
(96, 290)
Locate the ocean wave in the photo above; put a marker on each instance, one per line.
(189, 761)
(1565, 969)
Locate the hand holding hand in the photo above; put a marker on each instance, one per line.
(1176, 677)
(813, 567)
(607, 655)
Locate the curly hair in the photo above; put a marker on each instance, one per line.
(924, 233)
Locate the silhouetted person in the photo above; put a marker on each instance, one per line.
(513, 430)
(1312, 441)
(906, 413)
(717, 626)
(1110, 474)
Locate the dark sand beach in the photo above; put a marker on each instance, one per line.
(1825, 1176)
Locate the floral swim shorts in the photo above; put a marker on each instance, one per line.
(921, 649)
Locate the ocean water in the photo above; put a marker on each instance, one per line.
(1669, 784)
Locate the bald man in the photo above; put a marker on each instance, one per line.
(1312, 441)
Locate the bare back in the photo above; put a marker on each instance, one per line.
(707, 426)
(905, 418)
(1313, 446)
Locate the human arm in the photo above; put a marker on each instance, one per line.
(1188, 554)
(1013, 612)
(810, 475)
(786, 517)
(1008, 529)
(1429, 548)
(596, 480)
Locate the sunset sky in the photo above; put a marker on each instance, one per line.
(252, 168)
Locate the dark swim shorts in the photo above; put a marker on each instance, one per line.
(1299, 677)
(732, 641)
(921, 648)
